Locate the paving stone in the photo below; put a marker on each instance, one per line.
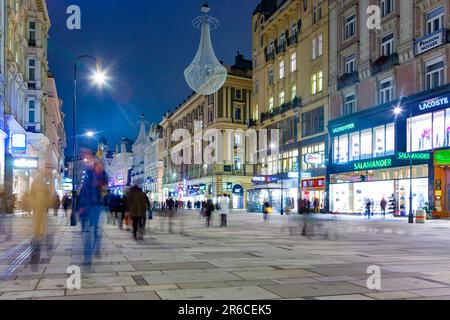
(190, 278)
(172, 266)
(392, 295)
(345, 297)
(31, 294)
(232, 293)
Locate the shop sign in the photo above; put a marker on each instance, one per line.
(313, 158)
(414, 156)
(306, 175)
(293, 175)
(238, 189)
(229, 185)
(372, 164)
(343, 128)
(26, 163)
(18, 142)
(259, 179)
(442, 158)
(434, 103)
(202, 187)
(430, 41)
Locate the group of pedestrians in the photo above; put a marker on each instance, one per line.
(222, 206)
(370, 207)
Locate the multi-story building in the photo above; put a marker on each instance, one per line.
(227, 109)
(54, 131)
(390, 101)
(290, 55)
(154, 164)
(121, 167)
(3, 135)
(26, 94)
(138, 174)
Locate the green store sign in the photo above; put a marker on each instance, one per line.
(413, 156)
(442, 158)
(346, 127)
(372, 164)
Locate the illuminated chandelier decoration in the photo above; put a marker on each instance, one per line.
(205, 75)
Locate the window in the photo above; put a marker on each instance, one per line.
(320, 45)
(343, 149)
(237, 113)
(293, 62)
(271, 104)
(379, 143)
(350, 26)
(237, 163)
(282, 39)
(422, 131)
(313, 122)
(314, 48)
(32, 70)
(210, 115)
(317, 10)
(387, 6)
(354, 146)
(211, 99)
(438, 129)
(238, 94)
(31, 111)
(435, 20)
(320, 81)
(350, 64)
(32, 32)
(349, 104)
(390, 139)
(366, 144)
(270, 77)
(314, 84)
(434, 76)
(386, 90)
(281, 98)
(281, 69)
(294, 29)
(387, 45)
(293, 92)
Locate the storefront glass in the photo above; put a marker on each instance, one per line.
(272, 193)
(365, 144)
(349, 194)
(429, 131)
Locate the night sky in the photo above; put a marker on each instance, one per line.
(145, 46)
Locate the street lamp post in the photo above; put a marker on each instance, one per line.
(397, 111)
(99, 77)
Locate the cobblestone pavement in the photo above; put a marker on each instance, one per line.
(249, 260)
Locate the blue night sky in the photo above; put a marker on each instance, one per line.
(145, 46)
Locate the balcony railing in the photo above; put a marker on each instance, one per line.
(292, 40)
(385, 63)
(296, 103)
(281, 48)
(270, 56)
(347, 80)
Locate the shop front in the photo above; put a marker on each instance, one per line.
(279, 190)
(313, 191)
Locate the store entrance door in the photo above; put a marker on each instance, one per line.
(442, 191)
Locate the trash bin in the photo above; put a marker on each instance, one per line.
(421, 216)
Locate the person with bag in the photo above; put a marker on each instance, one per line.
(209, 211)
(267, 210)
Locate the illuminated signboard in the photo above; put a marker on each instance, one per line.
(343, 128)
(18, 142)
(26, 163)
(414, 156)
(442, 158)
(434, 103)
(293, 175)
(372, 164)
(259, 179)
(315, 158)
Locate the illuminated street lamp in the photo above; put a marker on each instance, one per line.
(99, 78)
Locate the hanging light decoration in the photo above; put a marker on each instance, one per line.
(205, 75)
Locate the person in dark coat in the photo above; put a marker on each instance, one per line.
(137, 205)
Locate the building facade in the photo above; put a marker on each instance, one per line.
(389, 99)
(138, 173)
(154, 164)
(54, 131)
(26, 93)
(227, 109)
(121, 167)
(290, 94)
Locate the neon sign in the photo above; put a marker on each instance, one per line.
(442, 158)
(372, 164)
(414, 156)
(346, 127)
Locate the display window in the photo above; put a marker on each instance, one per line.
(438, 129)
(354, 146)
(343, 149)
(379, 145)
(422, 131)
(366, 144)
(390, 139)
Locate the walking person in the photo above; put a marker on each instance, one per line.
(368, 207)
(56, 204)
(209, 211)
(224, 208)
(383, 205)
(267, 210)
(137, 209)
(316, 206)
(91, 201)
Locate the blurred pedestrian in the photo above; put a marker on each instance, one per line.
(209, 211)
(224, 208)
(316, 206)
(267, 210)
(137, 208)
(383, 205)
(368, 207)
(40, 202)
(91, 200)
(56, 204)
